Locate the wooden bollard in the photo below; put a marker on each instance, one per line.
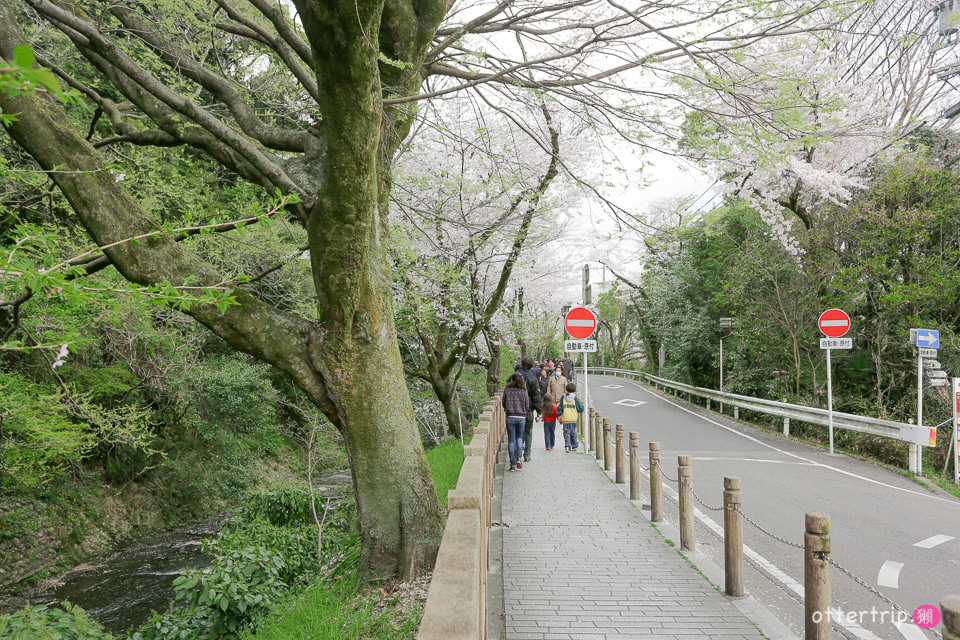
(656, 484)
(597, 429)
(685, 477)
(950, 612)
(816, 577)
(732, 538)
(634, 465)
(607, 446)
(621, 476)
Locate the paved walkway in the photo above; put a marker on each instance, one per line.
(580, 562)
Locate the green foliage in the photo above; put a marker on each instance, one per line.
(335, 611)
(232, 395)
(41, 623)
(282, 505)
(39, 438)
(20, 77)
(445, 461)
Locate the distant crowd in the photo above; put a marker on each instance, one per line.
(533, 393)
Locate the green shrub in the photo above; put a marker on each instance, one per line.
(229, 395)
(41, 623)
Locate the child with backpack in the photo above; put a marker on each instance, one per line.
(569, 410)
(549, 413)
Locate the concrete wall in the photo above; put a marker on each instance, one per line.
(457, 602)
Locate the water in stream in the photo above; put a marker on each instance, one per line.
(120, 591)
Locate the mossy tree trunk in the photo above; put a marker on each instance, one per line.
(349, 361)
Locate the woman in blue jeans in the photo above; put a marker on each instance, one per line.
(516, 404)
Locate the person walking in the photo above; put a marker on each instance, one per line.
(557, 384)
(549, 413)
(567, 368)
(544, 380)
(530, 374)
(516, 403)
(569, 409)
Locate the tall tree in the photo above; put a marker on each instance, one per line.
(313, 100)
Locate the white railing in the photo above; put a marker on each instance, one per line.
(795, 412)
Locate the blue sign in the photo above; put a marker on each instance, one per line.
(928, 338)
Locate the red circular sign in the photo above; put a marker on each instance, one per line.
(834, 323)
(580, 323)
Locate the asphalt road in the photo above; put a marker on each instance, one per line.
(899, 537)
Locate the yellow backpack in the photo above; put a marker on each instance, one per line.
(567, 412)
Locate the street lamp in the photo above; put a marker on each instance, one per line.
(728, 324)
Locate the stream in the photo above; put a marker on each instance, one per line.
(121, 591)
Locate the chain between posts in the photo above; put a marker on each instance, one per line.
(664, 474)
(702, 503)
(772, 535)
(639, 458)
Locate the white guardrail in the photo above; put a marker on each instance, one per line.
(795, 412)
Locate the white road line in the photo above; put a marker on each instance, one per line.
(911, 631)
(778, 574)
(889, 575)
(799, 464)
(794, 455)
(626, 402)
(933, 541)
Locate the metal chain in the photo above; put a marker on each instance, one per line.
(873, 590)
(702, 503)
(639, 458)
(663, 473)
(772, 535)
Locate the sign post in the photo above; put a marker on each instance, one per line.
(956, 430)
(580, 323)
(833, 323)
(927, 341)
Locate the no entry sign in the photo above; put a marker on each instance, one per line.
(834, 323)
(580, 323)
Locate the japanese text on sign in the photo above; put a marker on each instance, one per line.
(580, 345)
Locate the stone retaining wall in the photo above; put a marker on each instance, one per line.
(456, 606)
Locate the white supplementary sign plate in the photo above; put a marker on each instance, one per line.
(836, 343)
(613, 386)
(626, 402)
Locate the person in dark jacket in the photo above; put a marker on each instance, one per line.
(568, 368)
(543, 380)
(530, 375)
(516, 404)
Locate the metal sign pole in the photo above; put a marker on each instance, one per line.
(586, 389)
(915, 464)
(956, 430)
(830, 398)
(721, 373)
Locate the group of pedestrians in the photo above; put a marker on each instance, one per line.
(540, 393)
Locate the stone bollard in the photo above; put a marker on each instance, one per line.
(621, 476)
(708, 404)
(598, 417)
(607, 446)
(656, 484)
(736, 413)
(685, 476)
(816, 577)
(786, 426)
(732, 538)
(634, 465)
(950, 610)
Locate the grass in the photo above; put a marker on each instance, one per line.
(445, 462)
(343, 609)
(334, 611)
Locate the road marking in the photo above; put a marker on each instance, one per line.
(778, 574)
(911, 631)
(889, 575)
(613, 386)
(799, 464)
(794, 455)
(626, 402)
(933, 541)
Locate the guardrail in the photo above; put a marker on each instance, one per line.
(794, 412)
(456, 607)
